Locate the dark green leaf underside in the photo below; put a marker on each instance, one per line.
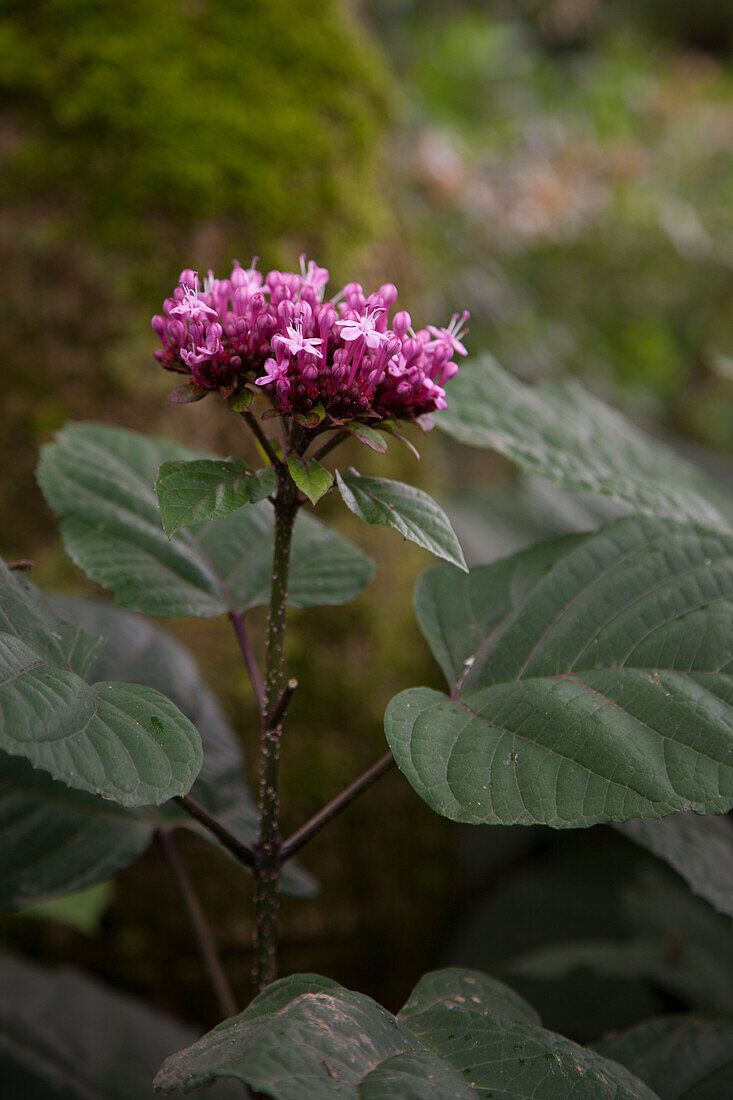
(55, 841)
(680, 1057)
(699, 848)
(564, 434)
(64, 1036)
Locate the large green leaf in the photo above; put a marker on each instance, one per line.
(456, 986)
(680, 1057)
(26, 614)
(409, 510)
(206, 489)
(325, 568)
(99, 480)
(310, 1039)
(66, 1037)
(506, 1055)
(572, 888)
(416, 1075)
(122, 741)
(126, 742)
(561, 432)
(460, 1035)
(591, 680)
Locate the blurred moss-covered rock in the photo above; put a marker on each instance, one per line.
(189, 111)
(140, 137)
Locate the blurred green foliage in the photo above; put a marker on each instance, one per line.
(571, 179)
(188, 111)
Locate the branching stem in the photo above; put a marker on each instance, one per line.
(240, 851)
(294, 843)
(329, 445)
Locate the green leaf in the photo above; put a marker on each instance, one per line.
(634, 958)
(417, 1075)
(680, 1057)
(313, 1040)
(206, 489)
(368, 437)
(528, 510)
(699, 848)
(456, 986)
(311, 478)
(509, 1058)
(187, 394)
(590, 681)
(238, 402)
(410, 511)
(99, 480)
(138, 650)
(121, 741)
(562, 433)
(311, 419)
(86, 840)
(307, 1036)
(25, 613)
(64, 1036)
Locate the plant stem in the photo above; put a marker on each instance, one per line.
(240, 851)
(201, 929)
(334, 441)
(249, 657)
(267, 867)
(294, 843)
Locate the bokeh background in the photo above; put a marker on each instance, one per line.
(563, 169)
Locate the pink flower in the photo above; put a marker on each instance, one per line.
(450, 337)
(295, 342)
(363, 328)
(313, 275)
(275, 371)
(276, 332)
(190, 305)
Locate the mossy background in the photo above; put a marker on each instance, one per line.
(562, 168)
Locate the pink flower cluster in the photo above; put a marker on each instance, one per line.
(277, 332)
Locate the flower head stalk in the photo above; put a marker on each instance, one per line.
(276, 331)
